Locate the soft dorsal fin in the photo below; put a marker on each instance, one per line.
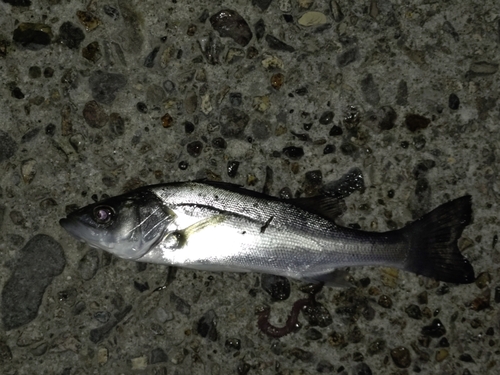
(328, 207)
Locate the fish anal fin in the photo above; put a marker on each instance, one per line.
(338, 278)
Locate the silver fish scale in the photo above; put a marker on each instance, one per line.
(264, 235)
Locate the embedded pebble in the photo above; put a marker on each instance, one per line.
(483, 68)
(355, 335)
(293, 152)
(326, 118)
(235, 99)
(142, 107)
(301, 355)
(139, 363)
(116, 124)
(483, 280)
(377, 346)
(435, 329)
(28, 170)
(169, 86)
(102, 316)
(111, 12)
(305, 4)
(348, 148)
(278, 287)
(260, 29)
(232, 122)
(105, 85)
(228, 23)
(149, 61)
(314, 178)
(401, 357)
(207, 325)
(102, 356)
(261, 129)
(347, 57)
(89, 264)
(94, 114)
(32, 36)
(336, 11)
(35, 72)
(422, 298)
(262, 4)
(219, 143)
(453, 102)
(384, 118)
(167, 121)
(71, 35)
(232, 168)
(336, 339)
(188, 127)
(362, 369)
(211, 47)
(87, 19)
(370, 90)
(414, 312)
(276, 44)
(328, 149)
(180, 305)
(416, 122)
(48, 72)
(99, 333)
(444, 342)
(30, 135)
(324, 367)
(313, 334)
(233, 343)
(335, 131)
(317, 315)
(17, 93)
(277, 80)
(194, 148)
(158, 355)
(40, 260)
(92, 52)
(385, 301)
(312, 19)
(441, 354)
(8, 146)
(40, 349)
(285, 6)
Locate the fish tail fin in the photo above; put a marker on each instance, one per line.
(433, 243)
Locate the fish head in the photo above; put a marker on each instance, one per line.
(127, 226)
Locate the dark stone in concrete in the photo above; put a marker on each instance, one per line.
(39, 261)
(105, 85)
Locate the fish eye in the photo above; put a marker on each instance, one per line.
(103, 214)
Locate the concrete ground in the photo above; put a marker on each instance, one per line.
(101, 97)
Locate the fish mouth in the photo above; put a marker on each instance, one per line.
(70, 227)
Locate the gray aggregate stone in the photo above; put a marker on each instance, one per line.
(8, 146)
(370, 90)
(38, 262)
(89, 264)
(233, 122)
(105, 85)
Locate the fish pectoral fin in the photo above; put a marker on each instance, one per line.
(338, 278)
(202, 224)
(178, 238)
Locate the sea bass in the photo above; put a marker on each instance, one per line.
(223, 227)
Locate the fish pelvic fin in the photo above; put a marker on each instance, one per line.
(433, 243)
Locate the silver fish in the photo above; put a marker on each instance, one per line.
(223, 227)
